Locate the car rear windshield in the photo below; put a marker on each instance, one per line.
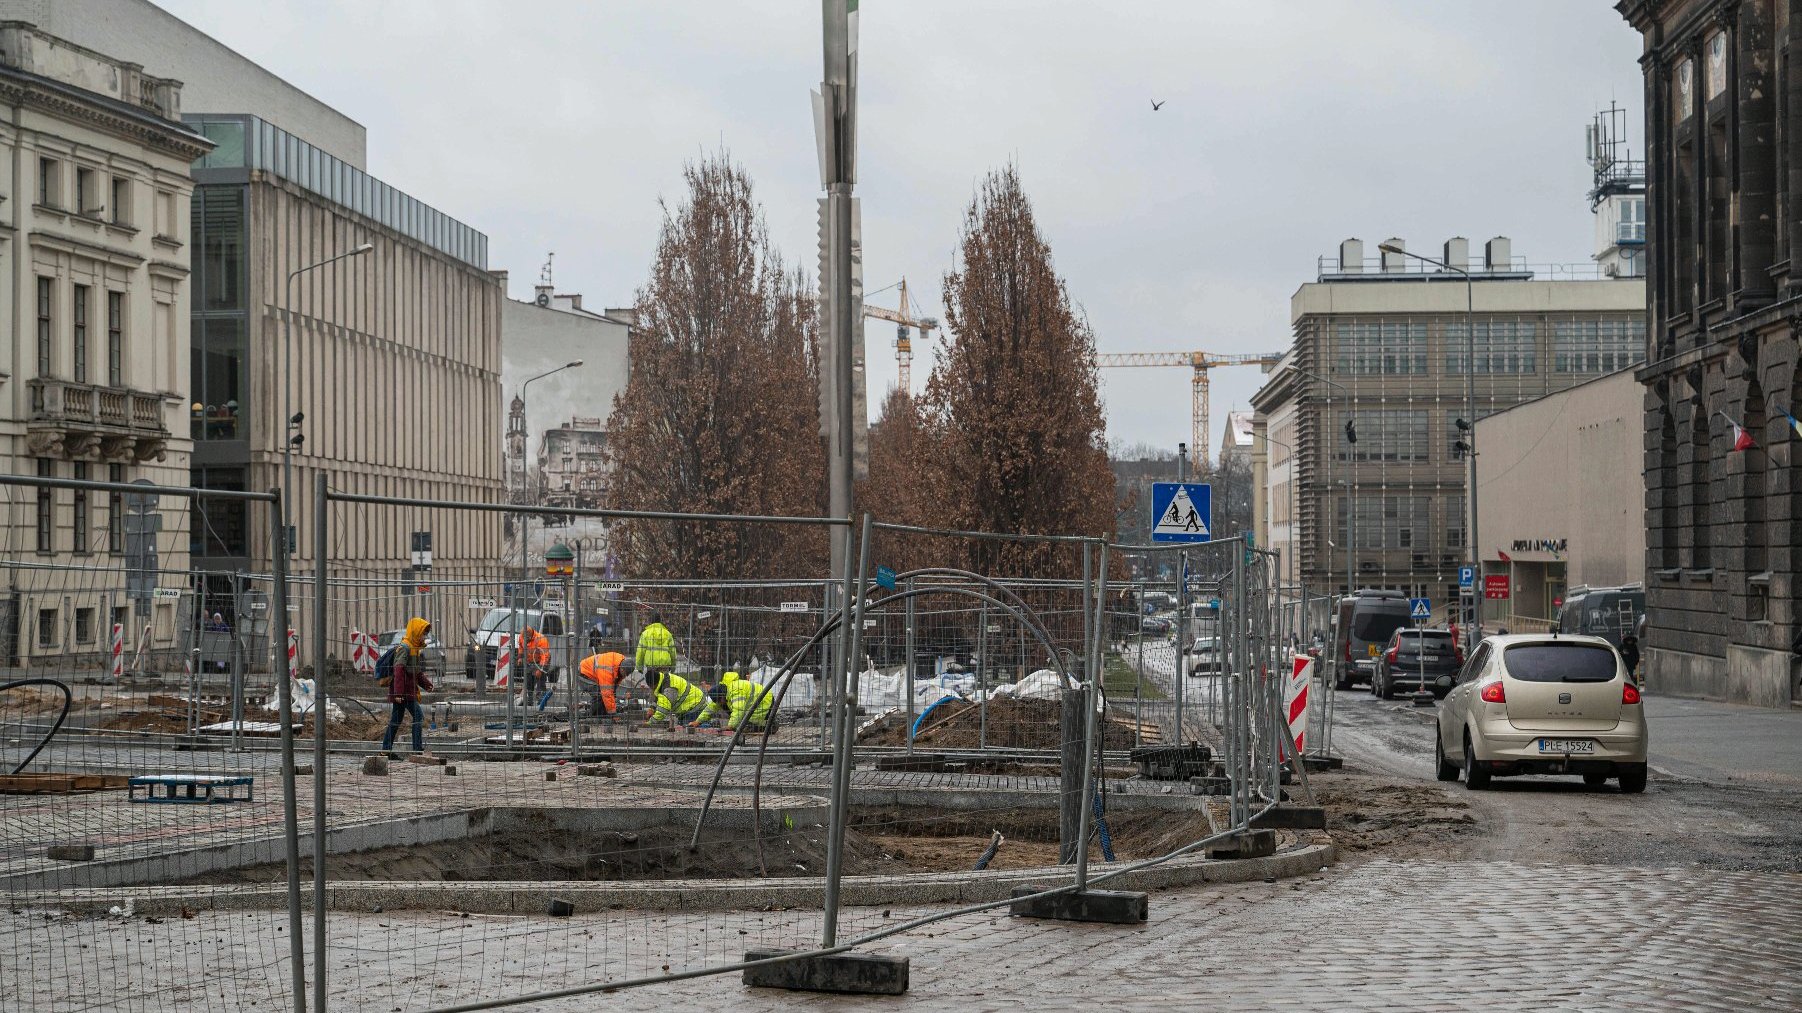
(1559, 663)
(1431, 636)
(1377, 626)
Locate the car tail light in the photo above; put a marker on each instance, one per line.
(1393, 651)
(1493, 693)
(1629, 693)
(1348, 651)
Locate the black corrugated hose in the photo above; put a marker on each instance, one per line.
(68, 698)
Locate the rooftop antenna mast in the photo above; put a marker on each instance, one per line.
(544, 276)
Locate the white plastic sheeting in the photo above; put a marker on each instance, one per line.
(303, 701)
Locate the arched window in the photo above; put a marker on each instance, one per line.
(1701, 497)
(1752, 488)
(1667, 481)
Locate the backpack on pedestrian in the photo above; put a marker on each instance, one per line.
(384, 666)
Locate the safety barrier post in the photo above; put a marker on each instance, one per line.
(908, 637)
(320, 603)
(118, 666)
(851, 611)
(284, 681)
(1092, 703)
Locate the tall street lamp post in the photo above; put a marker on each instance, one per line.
(525, 446)
(292, 418)
(1468, 429)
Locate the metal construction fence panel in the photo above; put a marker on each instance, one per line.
(249, 813)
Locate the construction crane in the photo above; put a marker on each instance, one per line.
(1200, 362)
(904, 349)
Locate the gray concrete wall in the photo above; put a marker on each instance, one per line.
(215, 78)
(1567, 466)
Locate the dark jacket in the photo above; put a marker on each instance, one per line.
(1630, 656)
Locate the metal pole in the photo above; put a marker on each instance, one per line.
(1091, 707)
(297, 960)
(577, 644)
(1470, 453)
(852, 611)
(1182, 609)
(237, 650)
(320, 547)
(908, 635)
(982, 680)
(1138, 703)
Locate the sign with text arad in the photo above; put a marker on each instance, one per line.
(481, 603)
(1182, 512)
(794, 606)
(1495, 586)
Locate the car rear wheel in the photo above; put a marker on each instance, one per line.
(1595, 780)
(1447, 770)
(1633, 779)
(1388, 690)
(1475, 778)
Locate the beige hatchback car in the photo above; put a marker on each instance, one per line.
(1543, 704)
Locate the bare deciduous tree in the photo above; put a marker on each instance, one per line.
(721, 412)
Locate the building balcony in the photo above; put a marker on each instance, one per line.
(85, 421)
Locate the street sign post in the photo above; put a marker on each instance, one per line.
(1182, 512)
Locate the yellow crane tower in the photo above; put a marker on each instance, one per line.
(904, 349)
(1200, 362)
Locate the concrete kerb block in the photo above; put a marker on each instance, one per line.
(1251, 844)
(842, 973)
(1291, 817)
(1112, 907)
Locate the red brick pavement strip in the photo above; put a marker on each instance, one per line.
(1422, 935)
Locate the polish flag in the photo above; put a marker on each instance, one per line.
(1741, 439)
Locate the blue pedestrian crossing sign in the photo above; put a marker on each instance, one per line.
(1467, 576)
(1181, 512)
(1420, 608)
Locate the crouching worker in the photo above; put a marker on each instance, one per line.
(747, 703)
(674, 699)
(406, 679)
(603, 671)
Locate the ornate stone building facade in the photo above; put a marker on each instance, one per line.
(1724, 527)
(94, 242)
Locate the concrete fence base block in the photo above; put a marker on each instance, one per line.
(70, 852)
(1251, 844)
(1292, 817)
(1323, 762)
(1114, 907)
(844, 973)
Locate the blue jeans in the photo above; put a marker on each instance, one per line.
(405, 707)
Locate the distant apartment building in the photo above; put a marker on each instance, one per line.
(95, 185)
(1724, 526)
(555, 447)
(1383, 344)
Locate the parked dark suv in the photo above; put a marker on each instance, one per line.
(1416, 659)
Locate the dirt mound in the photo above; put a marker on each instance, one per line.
(1366, 813)
(1009, 724)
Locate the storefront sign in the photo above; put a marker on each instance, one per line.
(1495, 585)
(1540, 545)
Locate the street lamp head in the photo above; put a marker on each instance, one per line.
(364, 248)
(1390, 248)
(1464, 425)
(574, 364)
(297, 418)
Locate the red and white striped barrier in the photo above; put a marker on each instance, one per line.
(118, 650)
(362, 652)
(1295, 698)
(503, 662)
(293, 653)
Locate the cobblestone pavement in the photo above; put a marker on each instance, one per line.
(1381, 935)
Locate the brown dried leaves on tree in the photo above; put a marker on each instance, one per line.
(721, 412)
(1013, 438)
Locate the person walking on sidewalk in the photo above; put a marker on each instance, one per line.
(1630, 656)
(405, 684)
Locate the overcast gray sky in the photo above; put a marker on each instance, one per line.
(1289, 126)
